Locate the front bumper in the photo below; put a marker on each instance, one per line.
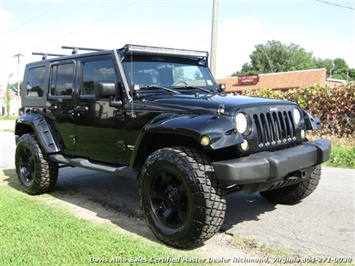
(270, 166)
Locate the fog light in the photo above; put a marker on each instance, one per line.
(244, 145)
(303, 134)
(205, 140)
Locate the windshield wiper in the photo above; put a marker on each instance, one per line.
(202, 89)
(160, 87)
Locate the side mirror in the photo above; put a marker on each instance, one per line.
(221, 87)
(105, 89)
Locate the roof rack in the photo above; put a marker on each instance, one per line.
(76, 49)
(45, 55)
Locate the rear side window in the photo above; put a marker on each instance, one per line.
(35, 82)
(62, 78)
(97, 71)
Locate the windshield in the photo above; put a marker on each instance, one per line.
(168, 72)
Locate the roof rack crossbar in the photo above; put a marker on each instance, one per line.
(45, 55)
(76, 49)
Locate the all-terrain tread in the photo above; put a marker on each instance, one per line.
(45, 170)
(295, 193)
(210, 203)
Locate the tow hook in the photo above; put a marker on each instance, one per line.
(302, 173)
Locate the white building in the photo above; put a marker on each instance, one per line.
(14, 103)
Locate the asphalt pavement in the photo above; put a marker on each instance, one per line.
(321, 225)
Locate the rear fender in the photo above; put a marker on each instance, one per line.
(45, 130)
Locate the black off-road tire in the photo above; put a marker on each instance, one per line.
(182, 201)
(295, 193)
(35, 171)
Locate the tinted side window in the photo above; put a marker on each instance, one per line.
(95, 71)
(62, 78)
(35, 82)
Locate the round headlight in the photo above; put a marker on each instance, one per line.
(296, 116)
(241, 122)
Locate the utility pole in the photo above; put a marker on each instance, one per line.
(18, 80)
(7, 95)
(214, 37)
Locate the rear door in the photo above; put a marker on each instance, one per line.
(61, 100)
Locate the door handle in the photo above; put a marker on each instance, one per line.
(81, 108)
(53, 107)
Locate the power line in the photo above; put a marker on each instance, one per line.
(35, 18)
(333, 4)
(88, 25)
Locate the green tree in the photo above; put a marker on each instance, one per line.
(341, 69)
(351, 74)
(7, 99)
(277, 57)
(13, 88)
(300, 59)
(325, 63)
(337, 68)
(272, 57)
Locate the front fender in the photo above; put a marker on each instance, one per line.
(219, 129)
(42, 127)
(311, 122)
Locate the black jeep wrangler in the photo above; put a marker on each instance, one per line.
(157, 114)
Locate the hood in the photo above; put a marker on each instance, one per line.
(207, 104)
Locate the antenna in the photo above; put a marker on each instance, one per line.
(76, 49)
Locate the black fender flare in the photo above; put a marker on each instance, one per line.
(219, 129)
(44, 128)
(311, 122)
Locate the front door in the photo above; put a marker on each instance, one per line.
(100, 128)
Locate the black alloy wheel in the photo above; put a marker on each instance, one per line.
(180, 196)
(35, 171)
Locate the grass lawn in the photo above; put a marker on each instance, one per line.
(343, 152)
(8, 117)
(33, 232)
(342, 157)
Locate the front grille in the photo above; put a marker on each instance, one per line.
(274, 128)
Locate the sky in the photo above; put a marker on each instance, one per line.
(325, 28)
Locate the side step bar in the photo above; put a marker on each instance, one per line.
(124, 171)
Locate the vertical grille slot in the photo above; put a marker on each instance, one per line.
(274, 128)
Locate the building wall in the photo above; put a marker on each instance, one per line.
(280, 80)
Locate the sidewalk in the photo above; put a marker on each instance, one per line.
(7, 143)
